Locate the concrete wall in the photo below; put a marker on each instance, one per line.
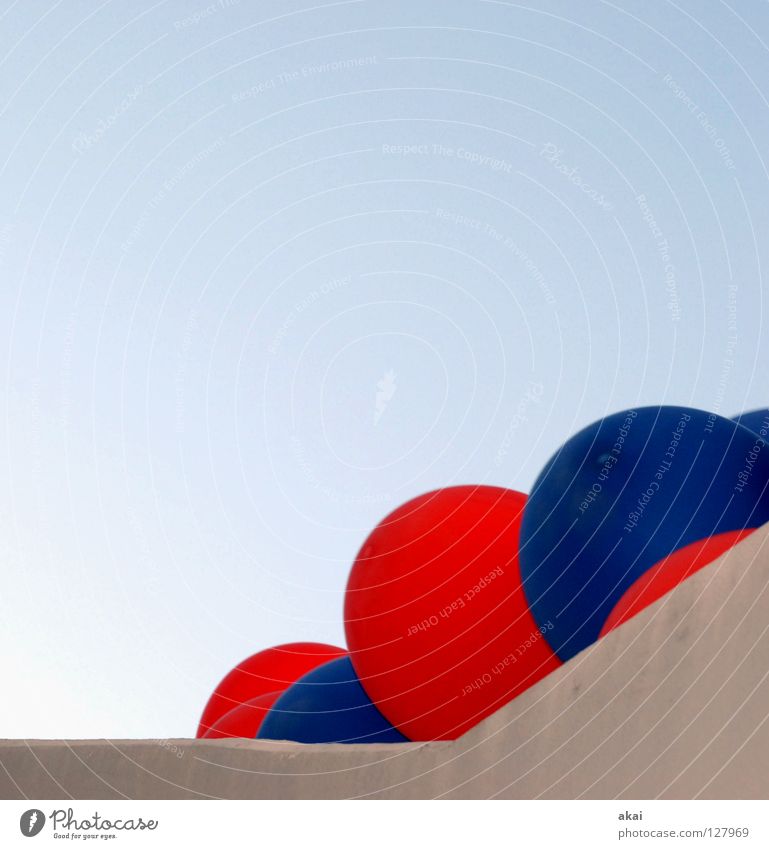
(674, 704)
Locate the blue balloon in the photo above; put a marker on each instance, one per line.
(328, 705)
(623, 494)
(755, 420)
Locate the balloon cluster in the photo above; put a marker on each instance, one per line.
(464, 597)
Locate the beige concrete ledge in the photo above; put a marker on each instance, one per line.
(674, 704)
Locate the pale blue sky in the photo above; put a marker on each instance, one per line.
(269, 270)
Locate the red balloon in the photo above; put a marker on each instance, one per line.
(271, 670)
(244, 720)
(669, 573)
(439, 629)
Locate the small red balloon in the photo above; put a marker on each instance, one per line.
(272, 670)
(669, 573)
(244, 720)
(438, 626)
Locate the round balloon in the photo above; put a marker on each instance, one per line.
(622, 495)
(328, 705)
(755, 420)
(668, 574)
(244, 720)
(437, 624)
(264, 672)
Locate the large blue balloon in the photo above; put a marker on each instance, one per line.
(755, 420)
(328, 705)
(623, 494)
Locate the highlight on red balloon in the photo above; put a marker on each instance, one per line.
(437, 623)
(271, 670)
(669, 573)
(245, 720)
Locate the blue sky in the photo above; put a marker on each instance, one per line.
(269, 270)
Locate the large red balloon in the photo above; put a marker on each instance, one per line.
(244, 720)
(439, 630)
(669, 573)
(267, 671)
